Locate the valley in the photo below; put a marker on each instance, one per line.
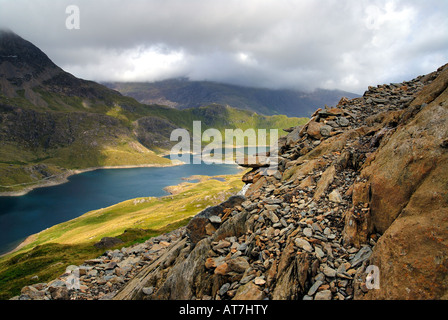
(58, 129)
(53, 124)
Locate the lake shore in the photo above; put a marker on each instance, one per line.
(63, 178)
(172, 190)
(28, 240)
(167, 153)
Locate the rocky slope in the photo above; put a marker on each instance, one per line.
(361, 184)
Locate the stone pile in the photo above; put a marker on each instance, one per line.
(101, 278)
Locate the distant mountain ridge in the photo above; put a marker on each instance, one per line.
(183, 93)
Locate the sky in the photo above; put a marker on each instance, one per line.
(288, 44)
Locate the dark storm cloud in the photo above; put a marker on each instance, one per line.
(303, 44)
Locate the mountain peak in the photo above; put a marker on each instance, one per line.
(5, 31)
(20, 53)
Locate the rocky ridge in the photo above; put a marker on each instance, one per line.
(361, 184)
(101, 278)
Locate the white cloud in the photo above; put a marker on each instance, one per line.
(137, 64)
(290, 43)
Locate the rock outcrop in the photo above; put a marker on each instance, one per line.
(358, 209)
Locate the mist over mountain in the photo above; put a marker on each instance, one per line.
(182, 93)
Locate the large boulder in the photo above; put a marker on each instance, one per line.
(187, 277)
(313, 129)
(197, 227)
(107, 242)
(249, 291)
(293, 137)
(406, 189)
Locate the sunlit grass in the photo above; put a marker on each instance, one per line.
(136, 220)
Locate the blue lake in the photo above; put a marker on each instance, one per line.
(45, 207)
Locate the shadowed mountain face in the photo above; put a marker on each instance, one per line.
(22, 66)
(182, 93)
(27, 73)
(23, 54)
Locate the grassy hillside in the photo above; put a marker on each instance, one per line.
(67, 123)
(37, 145)
(225, 117)
(48, 253)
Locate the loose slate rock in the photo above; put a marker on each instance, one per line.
(361, 256)
(148, 290)
(314, 287)
(215, 219)
(323, 295)
(303, 244)
(224, 288)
